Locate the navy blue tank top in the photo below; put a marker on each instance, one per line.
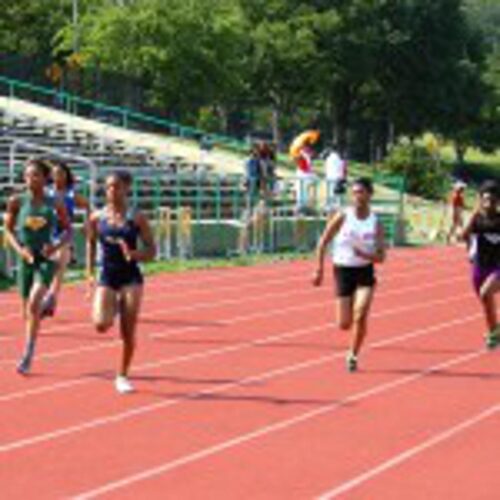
(112, 258)
(68, 198)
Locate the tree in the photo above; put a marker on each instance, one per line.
(484, 15)
(28, 27)
(429, 66)
(281, 57)
(187, 53)
(348, 36)
(366, 70)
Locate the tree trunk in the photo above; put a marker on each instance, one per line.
(341, 112)
(275, 125)
(460, 150)
(342, 129)
(391, 140)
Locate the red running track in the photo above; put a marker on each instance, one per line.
(242, 392)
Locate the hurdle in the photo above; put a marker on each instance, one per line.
(184, 232)
(163, 232)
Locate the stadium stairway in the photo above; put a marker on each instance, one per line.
(100, 140)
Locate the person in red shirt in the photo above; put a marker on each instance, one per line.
(301, 150)
(305, 179)
(457, 206)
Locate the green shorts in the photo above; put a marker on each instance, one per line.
(42, 270)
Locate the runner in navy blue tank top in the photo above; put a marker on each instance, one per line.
(119, 284)
(62, 189)
(483, 235)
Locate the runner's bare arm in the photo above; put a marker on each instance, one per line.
(332, 228)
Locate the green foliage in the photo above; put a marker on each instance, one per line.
(187, 52)
(484, 16)
(425, 175)
(370, 70)
(28, 26)
(281, 52)
(209, 120)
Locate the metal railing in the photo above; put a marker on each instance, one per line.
(118, 115)
(211, 214)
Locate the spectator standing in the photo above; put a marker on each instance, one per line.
(253, 176)
(253, 214)
(206, 145)
(457, 207)
(305, 178)
(336, 179)
(267, 156)
(302, 153)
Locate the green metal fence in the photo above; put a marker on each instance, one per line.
(216, 215)
(118, 115)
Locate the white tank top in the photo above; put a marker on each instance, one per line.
(360, 233)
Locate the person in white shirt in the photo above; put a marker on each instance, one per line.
(336, 177)
(358, 243)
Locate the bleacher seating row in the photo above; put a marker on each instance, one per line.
(160, 181)
(24, 136)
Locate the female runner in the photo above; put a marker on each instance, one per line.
(62, 189)
(482, 233)
(119, 286)
(29, 225)
(358, 245)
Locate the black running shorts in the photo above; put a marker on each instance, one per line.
(349, 279)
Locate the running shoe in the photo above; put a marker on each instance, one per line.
(48, 306)
(123, 385)
(492, 338)
(24, 365)
(351, 362)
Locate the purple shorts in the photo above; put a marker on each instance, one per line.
(481, 274)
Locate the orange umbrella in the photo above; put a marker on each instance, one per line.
(305, 138)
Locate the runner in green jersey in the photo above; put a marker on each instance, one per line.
(29, 226)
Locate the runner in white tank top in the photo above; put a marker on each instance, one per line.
(355, 233)
(358, 243)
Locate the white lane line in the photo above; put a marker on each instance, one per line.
(267, 430)
(141, 410)
(153, 295)
(238, 319)
(229, 274)
(308, 290)
(217, 352)
(411, 452)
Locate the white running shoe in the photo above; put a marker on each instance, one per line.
(123, 385)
